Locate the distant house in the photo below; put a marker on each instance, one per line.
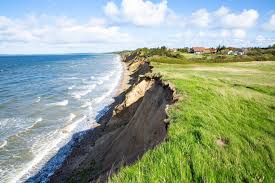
(197, 50)
(230, 52)
(213, 50)
(245, 50)
(210, 50)
(235, 52)
(201, 50)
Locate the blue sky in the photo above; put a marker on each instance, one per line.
(66, 26)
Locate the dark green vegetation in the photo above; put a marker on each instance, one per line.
(179, 56)
(221, 130)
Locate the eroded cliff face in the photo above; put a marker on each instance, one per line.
(134, 124)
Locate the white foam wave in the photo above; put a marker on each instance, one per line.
(38, 99)
(71, 87)
(102, 79)
(86, 90)
(86, 104)
(69, 128)
(46, 152)
(76, 96)
(3, 144)
(14, 125)
(72, 116)
(71, 78)
(39, 120)
(100, 82)
(35, 123)
(108, 93)
(62, 103)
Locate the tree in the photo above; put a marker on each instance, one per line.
(220, 48)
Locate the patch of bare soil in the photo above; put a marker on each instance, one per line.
(221, 142)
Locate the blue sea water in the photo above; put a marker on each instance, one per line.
(44, 100)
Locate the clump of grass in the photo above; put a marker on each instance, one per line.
(214, 109)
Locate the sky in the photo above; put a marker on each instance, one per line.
(91, 26)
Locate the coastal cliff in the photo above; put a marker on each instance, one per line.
(135, 122)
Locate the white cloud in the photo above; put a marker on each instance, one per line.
(222, 11)
(111, 9)
(246, 19)
(138, 12)
(239, 33)
(222, 18)
(201, 18)
(59, 31)
(148, 13)
(144, 13)
(4, 21)
(262, 40)
(94, 21)
(225, 33)
(175, 20)
(64, 21)
(270, 25)
(213, 38)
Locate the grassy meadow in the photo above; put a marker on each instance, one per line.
(221, 130)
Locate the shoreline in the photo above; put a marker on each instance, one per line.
(124, 79)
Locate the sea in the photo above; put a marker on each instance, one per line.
(44, 101)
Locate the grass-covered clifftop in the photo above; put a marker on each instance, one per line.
(221, 130)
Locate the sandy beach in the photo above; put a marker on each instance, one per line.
(124, 81)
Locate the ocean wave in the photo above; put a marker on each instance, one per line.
(38, 99)
(34, 124)
(76, 96)
(72, 116)
(12, 126)
(71, 127)
(4, 143)
(70, 78)
(71, 87)
(49, 148)
(86, 90)
(108, 76)
(62, 103)
(26, 129)
(31, 167)
(101, 79)
(86, 104)
(18, 130)
(100, 82)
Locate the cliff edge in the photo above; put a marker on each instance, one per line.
(135, 123)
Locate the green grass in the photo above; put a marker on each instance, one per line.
(234, 102)
(191, 55)
(181, 58)
(168, 60)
